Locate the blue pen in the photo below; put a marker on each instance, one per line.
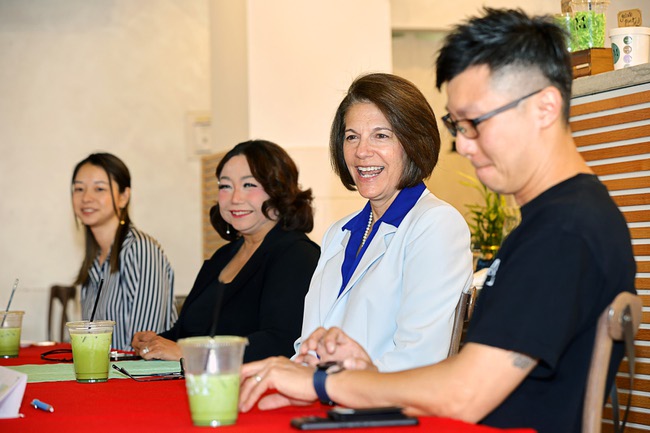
(42, 406)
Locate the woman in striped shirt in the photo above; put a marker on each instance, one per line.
(138, 281)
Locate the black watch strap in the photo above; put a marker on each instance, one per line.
(320, 376)
(319, 385)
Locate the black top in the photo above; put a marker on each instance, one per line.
(552, 278)
(265, 300)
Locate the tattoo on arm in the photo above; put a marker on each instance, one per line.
(522, 362)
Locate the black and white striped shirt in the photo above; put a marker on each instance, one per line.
(139, 297)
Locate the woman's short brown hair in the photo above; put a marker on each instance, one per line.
(410, 116)
(272, 167)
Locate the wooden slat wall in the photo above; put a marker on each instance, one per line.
(612, 132)
(209, 188)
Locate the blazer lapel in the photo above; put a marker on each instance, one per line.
(375, 251)
(332, 258)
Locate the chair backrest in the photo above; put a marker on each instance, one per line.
(464, 310)
(64, 294)
(624, 311)
(179, 300)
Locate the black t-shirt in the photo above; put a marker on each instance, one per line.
(554, 275)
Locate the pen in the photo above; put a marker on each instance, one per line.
(42, 406)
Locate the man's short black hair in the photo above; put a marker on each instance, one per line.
(508, 39)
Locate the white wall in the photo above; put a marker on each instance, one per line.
(441, 15)
(303, 56)
(81, 76)
(300, 58)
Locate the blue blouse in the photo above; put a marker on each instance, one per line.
(396, 212)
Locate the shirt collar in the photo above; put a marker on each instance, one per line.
(396, 212)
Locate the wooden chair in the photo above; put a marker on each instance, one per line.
(63, 294)
(179, 300)
(621, 317)
(463, 314)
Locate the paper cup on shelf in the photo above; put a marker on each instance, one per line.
(630, 46)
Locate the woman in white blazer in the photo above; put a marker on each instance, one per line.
(390, 275)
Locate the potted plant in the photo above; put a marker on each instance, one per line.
(489, 221)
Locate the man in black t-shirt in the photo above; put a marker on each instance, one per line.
(525, 362)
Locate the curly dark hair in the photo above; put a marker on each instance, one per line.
(410, 116)
(508, 40)
(274, 169)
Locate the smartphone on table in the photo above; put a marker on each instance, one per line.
(343, 417)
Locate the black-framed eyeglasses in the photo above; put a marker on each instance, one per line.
(467, 127)
(152, 377)
(57, 355)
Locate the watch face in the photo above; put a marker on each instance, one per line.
(331, 367)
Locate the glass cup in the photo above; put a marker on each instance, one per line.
(212, 377)
(10, 325)
(91, 349)
(588, 23)
(566, 23)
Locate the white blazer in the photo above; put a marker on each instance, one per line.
(399, 303)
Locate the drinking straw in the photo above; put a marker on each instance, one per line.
(11, 297)
(99, 291)
(217, 308)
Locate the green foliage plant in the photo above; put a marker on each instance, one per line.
(487, 219)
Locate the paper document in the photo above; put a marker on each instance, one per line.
(12, 389)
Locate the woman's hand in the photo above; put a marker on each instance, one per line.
(334, 345)
(293, 382)
(150, 345)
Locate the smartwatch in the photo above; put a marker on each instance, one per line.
(320, 375)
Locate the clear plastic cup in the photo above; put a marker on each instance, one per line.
(11, 323)
(588, 23)
(212, 377)
(91, 349)
(566, 23)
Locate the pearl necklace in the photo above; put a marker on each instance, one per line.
(367, 232)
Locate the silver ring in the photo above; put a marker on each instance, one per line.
(257, 378)
(145, 351)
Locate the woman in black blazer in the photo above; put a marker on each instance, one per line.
(266, 267)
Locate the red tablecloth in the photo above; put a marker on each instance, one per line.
(161, 407)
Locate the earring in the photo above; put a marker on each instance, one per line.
(228, 229)
(122, 222)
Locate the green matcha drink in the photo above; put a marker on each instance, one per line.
(10, 324)
(213, 398)
(212, 377)
(91, 347)
(9, 342)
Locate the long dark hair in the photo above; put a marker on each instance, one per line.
(272, 167)
(116, 171)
